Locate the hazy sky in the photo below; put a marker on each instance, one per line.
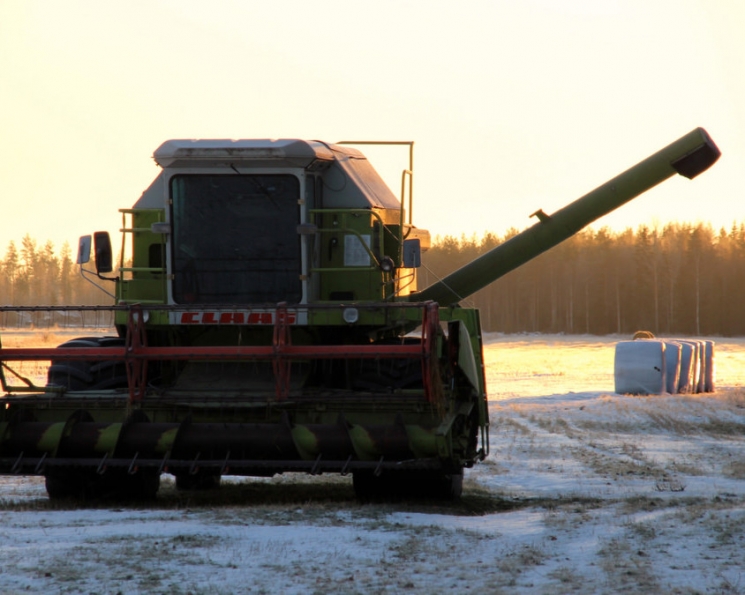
(514, 105)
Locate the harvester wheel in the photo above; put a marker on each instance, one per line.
(397, 485)
(201, 480)
(117, 485)
(367, 486)
(388, 375)
(445, 486)
(65, 484)
(142, 486)
(82, 375)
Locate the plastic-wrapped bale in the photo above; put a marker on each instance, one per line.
(697, 373)
(701, 380)
(640, 367)
(687, 373)
(696, 365)
(706, 363)
(672, 365)
(710, 373)
(694, 376)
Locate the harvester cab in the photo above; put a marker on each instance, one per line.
(268, 320)
(268, 221)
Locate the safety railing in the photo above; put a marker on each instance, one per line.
(138, 283)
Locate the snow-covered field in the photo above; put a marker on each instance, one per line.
(585, 491)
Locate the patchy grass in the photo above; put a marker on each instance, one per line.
(627, 568)
(735, 469)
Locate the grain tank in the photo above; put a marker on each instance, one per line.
(268, 320)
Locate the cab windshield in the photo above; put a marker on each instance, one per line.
(235, 239)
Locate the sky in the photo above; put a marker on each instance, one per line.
(513, 106)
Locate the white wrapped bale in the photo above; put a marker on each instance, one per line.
(710, 376)
(672, 366)
(696, 364)
(640, 367)
(685, 380)
(701, 367)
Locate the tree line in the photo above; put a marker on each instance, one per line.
(34, 275)
(679, 279)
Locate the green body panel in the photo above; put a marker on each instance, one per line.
(51, 437)
(144, 280)
(165, 441)
(351, 244)
(108, 438)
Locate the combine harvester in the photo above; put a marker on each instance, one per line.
(270, 322)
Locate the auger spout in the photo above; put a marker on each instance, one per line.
(688, 156)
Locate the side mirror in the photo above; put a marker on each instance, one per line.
(84, 250)
(102, 244)
(412, 254)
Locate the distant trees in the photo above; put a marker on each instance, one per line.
(681, 279)
(31, 275)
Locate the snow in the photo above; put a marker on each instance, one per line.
(584, 491)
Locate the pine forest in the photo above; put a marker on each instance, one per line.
(679, 279)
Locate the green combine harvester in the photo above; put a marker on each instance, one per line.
(268, 320)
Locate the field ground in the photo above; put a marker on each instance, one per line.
(585, 491)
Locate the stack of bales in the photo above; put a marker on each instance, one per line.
(649, 366)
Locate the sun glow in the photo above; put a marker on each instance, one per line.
(513, 106)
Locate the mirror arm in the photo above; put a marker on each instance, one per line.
(86, 274)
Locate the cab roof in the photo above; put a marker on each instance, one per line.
(219, 152)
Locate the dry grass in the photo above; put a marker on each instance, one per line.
(569, 579)
(735, 469)
(45, 337)
(627, 569)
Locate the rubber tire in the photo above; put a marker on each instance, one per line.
(82, 375)
(367, 486)
(65, 487)
(446, 486)
(386, 376)
(398, 485)
(114, 485)
(199, 481)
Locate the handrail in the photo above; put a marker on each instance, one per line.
(410, 174)
(156, 270)
(142, 269)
